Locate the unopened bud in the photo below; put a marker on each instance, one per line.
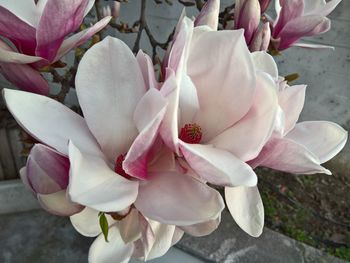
(247, 16)
(209, 15)
(115, 9)
(261, 38)
(106, 11)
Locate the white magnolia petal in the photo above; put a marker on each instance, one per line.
(50, 121)
(312, 46)
(291, 100)
(8, 55)
(225, 91)
(246, 208)
(106, 252)
(324, 139)
(247, 137)
(176, 198)
(87, 222)
(94, 184)
(265, 63)
(289, 156)
(24, 10)
(108, 94)
(59, 204)
(129, 227)
(202, 229)
(163, 239)
(217, 166)
(147, 69)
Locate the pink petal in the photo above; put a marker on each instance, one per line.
(217, 166)
(7, 55)
(24, 178)
(129, 227)
(202, 229)
(180, 47)
(147, 69)
(80, 38)
(291, 100)
(312, 46)
(186, 202)
(47, 170)
(58, 204)
(225, 91)
(261, 38)
(49, 121)
(87, 223)
(302, 27)
(169, 127)
(322, 138)
(264, 62)
(289, 156)
(18, 31)
(247, 17)
(248, 136)
(148, 116)
(120, 88)
(102, 251)
(94, 184)
(25, 77)
(290, 10)
(209, 15)
(59, 18)
(163, 239)
(246, 208)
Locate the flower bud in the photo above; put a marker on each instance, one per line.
(209, 15)
(115, 9)
(46, 175)
(247, 16)
(261, 38)
(106, 11)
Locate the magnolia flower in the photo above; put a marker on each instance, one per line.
(300, 18)
(261, 38)
(247, 17)
(209, 15)
(298, 148)
(221, 111)
(115, 158)
(46, 176)
(37, 29)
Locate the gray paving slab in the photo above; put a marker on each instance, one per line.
(36, 236)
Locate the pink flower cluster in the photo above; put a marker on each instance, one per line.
(35, 34)
(147, 153)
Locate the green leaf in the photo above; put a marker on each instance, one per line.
(104, 225)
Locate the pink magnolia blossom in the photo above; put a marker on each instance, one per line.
(46, 176)
(209, 15)
(247, 17)
(300, 18)
(298, 148)
(38, 33)
(261, 38)
(116, 160)
(221, 110)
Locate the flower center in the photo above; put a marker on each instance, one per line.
(191, 133)
(118, 167)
